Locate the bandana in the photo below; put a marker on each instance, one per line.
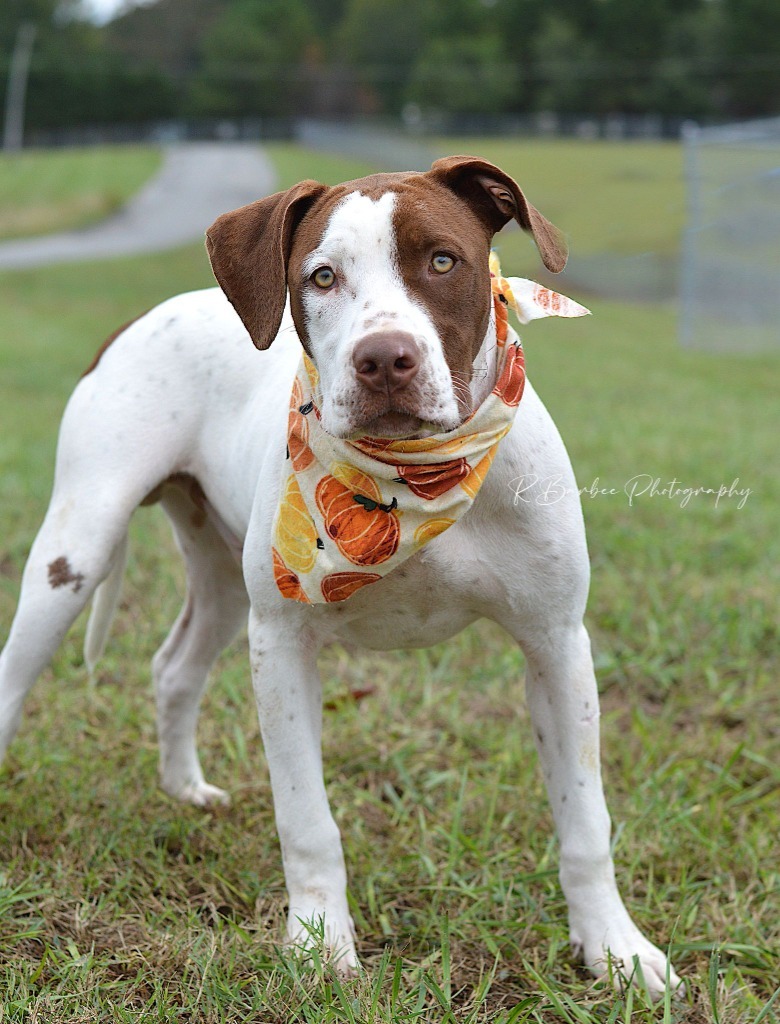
(351, 511)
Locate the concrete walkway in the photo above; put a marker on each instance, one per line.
(196, 183)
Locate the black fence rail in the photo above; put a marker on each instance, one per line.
(410, 130)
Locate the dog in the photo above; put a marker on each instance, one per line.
(356, 480)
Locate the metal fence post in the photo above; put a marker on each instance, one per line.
(690, 140)
(730, 262)
(13, 131)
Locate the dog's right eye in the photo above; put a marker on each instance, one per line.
(324, 278)
(442, 263)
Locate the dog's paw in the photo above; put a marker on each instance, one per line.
(327, 939)
(201, 794)
(625, 956)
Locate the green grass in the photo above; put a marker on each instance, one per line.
(294, 164)
(118, 905)
(43, 191)
(615, 197)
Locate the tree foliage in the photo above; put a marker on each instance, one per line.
(247, 58)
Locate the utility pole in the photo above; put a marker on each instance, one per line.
(13, 133)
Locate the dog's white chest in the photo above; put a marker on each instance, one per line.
(417, 605)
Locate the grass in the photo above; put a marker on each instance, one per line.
(60, 190)
(619, 198)
(118, 905)
(613, 197)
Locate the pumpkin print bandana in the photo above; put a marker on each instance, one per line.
(351, 511)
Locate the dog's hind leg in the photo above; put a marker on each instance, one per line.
(215, 608)
(111, 453)
(75, 549)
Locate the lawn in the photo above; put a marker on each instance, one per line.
(615, 197)
(64, 189)
(117, 904)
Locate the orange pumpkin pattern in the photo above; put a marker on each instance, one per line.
(298, 431)
(351, 511)
(511, 383)
(430, 482)
(502, 298)
(341, 585)
(288, 583)
(365, 530)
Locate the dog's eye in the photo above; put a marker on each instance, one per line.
(442, 263)
(324, 278)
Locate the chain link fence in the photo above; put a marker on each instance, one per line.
(730, 267)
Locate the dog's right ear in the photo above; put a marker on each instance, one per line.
(249, 249)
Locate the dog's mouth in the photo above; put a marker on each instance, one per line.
(392, 424)
(397, 424)
(396, 416)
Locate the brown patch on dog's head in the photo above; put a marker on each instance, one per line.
(496, 199)
(456, 207)
(249, 249)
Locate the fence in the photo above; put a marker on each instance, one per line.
(730, 267)
(385, 146)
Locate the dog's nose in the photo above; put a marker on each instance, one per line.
(387, 361)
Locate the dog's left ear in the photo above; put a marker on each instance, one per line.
(496, 199)
(249, 249)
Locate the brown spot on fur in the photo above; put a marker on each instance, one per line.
(61, 575)
(458, 302)
(109, 341)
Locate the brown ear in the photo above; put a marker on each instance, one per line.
(249, 249)
(497, 199)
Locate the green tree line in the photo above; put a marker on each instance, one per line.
(705, 59)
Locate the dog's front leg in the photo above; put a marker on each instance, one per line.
(564, 705)
(289, 701)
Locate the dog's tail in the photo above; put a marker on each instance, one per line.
(104, 605)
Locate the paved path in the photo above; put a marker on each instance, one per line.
(196, 183)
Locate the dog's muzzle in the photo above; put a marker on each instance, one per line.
(386, 362)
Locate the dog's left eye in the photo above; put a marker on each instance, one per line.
(442, 263)
(324, 278)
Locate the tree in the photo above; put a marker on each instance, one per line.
(753, 51)
(566, 67)
(251, 60)
(465, 74)
(381, 40)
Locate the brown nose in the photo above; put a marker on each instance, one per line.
(387, 361)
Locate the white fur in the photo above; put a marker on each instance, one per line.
(183, 391)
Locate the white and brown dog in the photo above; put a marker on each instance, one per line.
(390, 297)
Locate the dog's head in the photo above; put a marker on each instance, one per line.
(389, 285)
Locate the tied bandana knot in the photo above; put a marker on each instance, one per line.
(351, 511)
(529, 300)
